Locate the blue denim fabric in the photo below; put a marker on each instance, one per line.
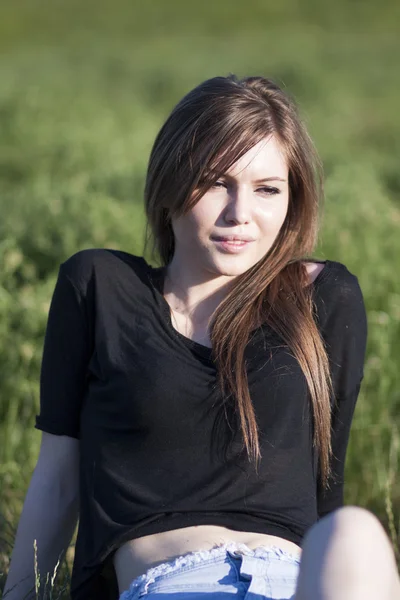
(231, 571)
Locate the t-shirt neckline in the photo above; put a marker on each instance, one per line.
(157, 275)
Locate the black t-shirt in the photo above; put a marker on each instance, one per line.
(143, 400)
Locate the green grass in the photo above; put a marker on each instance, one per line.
(84, 90)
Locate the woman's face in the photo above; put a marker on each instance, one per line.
(251, 199)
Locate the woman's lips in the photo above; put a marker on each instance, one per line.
(233, 247)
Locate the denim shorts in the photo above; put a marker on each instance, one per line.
(231, 571)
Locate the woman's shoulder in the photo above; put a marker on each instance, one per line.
(313, 270)
(83, 265)
(330, 274)
(337, 292)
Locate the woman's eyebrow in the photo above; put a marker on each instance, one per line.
(269, 179)
(272, 178)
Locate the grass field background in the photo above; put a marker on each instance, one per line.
(84, 88)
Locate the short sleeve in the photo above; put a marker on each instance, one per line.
(344, 329)
(66, 354)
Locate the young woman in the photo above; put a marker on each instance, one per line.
(203, 408)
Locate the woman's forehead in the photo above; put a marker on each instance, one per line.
(265, 159)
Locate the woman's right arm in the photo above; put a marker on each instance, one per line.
(49, 515)
(51, 505)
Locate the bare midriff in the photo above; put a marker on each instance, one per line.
(135, 557)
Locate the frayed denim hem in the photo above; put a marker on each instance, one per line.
(194, 558)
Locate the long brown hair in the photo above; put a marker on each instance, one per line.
(213, 126)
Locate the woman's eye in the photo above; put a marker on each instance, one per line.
(270, 191)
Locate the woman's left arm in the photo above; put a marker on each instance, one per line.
(344, 328)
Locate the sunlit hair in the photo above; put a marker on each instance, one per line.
(213, 126)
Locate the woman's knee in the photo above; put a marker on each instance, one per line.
(355, 530)
(349, 550)
(356, 523)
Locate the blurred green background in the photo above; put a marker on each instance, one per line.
(84, 88)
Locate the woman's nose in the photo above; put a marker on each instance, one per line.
(238, 209)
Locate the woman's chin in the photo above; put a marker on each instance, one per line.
(233, 270)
